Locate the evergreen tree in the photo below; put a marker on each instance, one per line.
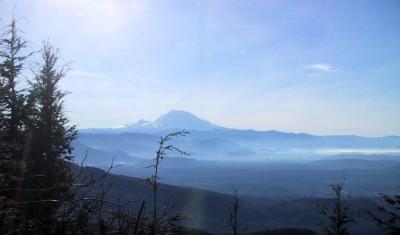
(12, 99)
(388, 217)
(47, 171)
(338, 217)
(12, 122)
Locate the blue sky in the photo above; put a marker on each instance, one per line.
(322, 67)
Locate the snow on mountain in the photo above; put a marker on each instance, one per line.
(173, 120)
(176, 119)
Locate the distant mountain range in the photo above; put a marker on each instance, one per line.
(179, 119)
(208, 141)
(173, 120)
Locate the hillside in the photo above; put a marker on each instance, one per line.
(207, 210)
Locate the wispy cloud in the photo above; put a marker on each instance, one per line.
(321, 67)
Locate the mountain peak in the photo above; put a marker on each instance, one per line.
(173, 120)
(177, 114)
(179, 119)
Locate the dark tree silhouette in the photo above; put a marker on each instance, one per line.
(161, 218)
(50, 139)
(233, 219)
(12, 99)
(337, 218)
(390, 214)
(12, 122)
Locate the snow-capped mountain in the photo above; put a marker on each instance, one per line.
(211, 142)
(173, 120)
(181, 119)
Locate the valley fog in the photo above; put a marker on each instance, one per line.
(268, 164)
